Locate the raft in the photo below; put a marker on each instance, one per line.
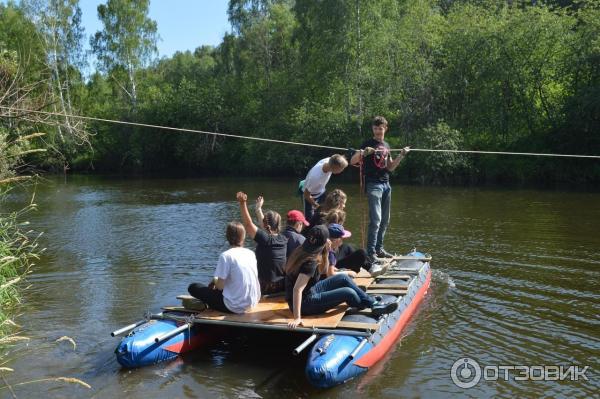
(342, 344)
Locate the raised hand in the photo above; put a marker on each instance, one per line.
(241, 197)
(259, 202)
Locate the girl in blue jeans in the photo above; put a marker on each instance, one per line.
(307, 294)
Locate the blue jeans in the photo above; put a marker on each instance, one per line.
(332, 291)
(308, 209)
(379, 196)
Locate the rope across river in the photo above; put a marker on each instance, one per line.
(184, 130)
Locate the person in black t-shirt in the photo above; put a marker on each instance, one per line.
(271, 247)
(307, 294)
(377, 165)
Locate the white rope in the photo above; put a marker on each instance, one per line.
(291, 142)
(503, 153)
(176, 129)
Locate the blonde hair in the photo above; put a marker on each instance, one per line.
(334, 200)
(337, 160)
(335, 216)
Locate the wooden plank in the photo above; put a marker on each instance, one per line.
(363, 274)
(358, 325)
(364, 281)
(396, 276)
(383, 286)
(387, 291)
(276, 311)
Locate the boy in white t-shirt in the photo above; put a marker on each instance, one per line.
(235, 287)
(316, 180)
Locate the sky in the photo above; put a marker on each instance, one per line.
(182, 24)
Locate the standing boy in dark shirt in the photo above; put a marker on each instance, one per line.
(378, 164)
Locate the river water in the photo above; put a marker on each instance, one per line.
(516, 282)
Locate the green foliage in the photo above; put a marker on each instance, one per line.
(17, 252)
(127, 42)
(502, 76)
(439, 167)
(19, 34)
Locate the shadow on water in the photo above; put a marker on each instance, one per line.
(516, 281)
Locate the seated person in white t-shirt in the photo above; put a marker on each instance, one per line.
(316, 180)
(235, 287)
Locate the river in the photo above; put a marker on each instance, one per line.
(516, 282)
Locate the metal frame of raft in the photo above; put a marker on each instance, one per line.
(357, 344)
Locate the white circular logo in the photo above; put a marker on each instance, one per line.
(465, 373)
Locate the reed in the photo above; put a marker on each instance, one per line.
(18, 251)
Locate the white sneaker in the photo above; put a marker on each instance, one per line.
(378, 270)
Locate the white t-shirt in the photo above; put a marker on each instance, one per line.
(237, 266)
(316, 179)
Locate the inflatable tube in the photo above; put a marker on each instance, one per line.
(139, 348)
(330, 362)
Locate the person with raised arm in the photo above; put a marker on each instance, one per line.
(271, 246)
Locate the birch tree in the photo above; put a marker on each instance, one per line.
(127, 42)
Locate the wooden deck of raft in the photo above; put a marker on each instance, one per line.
(275, 310)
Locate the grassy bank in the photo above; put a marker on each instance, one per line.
(17, 254)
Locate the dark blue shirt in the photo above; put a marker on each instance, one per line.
(294, 238)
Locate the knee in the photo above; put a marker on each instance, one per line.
(343, 278)
(351, 297)
(192, 288)
(375, 220)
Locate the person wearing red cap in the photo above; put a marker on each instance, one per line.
(295, 223)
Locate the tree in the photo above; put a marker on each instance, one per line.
(127, 43)
(61, 32)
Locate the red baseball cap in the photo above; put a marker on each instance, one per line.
(297, 216)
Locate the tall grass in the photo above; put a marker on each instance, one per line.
(18, 251)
